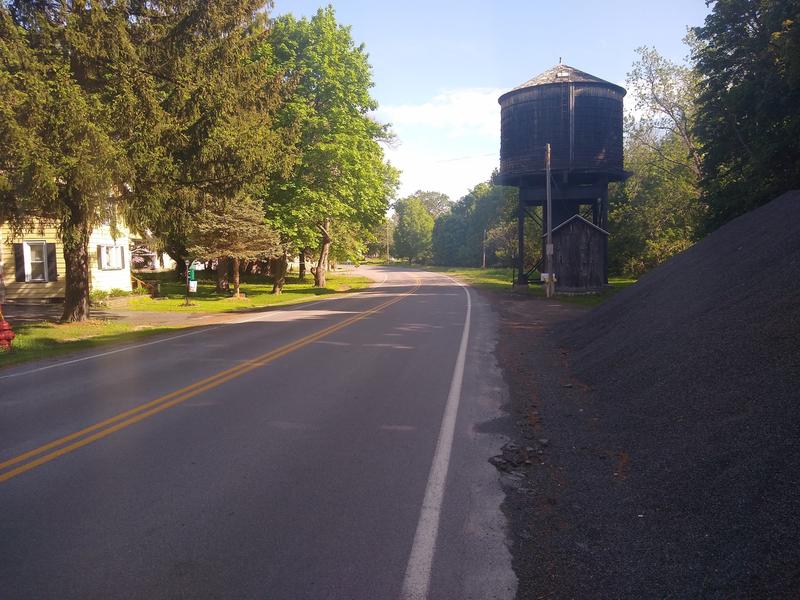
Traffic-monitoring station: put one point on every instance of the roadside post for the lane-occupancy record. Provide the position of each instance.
(191, 281)
(192, 273)
(549, 284)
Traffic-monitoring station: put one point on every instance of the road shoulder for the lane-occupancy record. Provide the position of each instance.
(545, 414)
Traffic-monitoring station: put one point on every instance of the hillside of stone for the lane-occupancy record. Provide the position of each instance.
(694, 378)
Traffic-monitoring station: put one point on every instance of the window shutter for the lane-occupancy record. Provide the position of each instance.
(52, 267)
(19, 262)
(122, 257)
(99, 257)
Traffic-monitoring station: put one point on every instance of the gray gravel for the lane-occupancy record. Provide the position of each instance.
(693, 378)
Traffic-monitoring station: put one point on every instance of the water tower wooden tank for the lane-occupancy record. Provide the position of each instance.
(580, 116)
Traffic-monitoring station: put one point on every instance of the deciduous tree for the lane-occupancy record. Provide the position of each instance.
(458, 236)
(412, 236)
(340, 185)
(436, 203)
(748, 122)
(657, 212)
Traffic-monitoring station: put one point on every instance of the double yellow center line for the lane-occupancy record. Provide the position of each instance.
(64, 445)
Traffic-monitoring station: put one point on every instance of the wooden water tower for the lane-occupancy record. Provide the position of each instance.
(580, 116)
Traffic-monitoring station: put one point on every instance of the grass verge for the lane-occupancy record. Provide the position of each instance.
(45, 340)
(257, 291)
(500, 280)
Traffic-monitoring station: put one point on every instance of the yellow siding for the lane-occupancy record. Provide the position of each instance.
(16, 290)
(100, 280)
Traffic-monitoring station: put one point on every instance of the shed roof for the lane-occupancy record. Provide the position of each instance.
(564, 74)
(581, 219)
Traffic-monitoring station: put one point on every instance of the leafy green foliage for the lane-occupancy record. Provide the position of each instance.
(233, 229)
(382, 236)
(657, 212)
(748, 122)
(458, 236)
(135, 109)
(71, 92)
(218, 95)
(412, 236)
(436, 203)
(339, 186)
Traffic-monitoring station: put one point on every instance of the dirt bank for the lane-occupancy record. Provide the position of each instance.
(656, 449)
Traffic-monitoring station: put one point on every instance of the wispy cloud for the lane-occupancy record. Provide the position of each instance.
(464, 112)
(448, 143)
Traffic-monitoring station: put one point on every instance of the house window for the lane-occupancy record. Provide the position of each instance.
(35, 262)
(111, 258)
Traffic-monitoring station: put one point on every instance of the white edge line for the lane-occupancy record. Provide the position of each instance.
(64, 363)
(420, 562)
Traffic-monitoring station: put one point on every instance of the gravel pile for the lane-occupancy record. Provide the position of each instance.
(694, 378)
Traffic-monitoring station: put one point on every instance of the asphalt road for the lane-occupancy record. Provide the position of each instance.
(327, 450)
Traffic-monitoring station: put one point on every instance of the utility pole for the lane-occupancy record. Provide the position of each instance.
(483, 264)
(549, 285)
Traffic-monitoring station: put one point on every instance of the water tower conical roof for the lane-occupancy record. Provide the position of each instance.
(561, 73)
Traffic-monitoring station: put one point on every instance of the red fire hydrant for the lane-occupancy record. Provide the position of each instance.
(6, 334)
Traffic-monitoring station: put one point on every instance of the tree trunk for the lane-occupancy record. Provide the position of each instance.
(235, 262)
(177, 252)
(281, 265)
(223, 274)
(324, 250)
(302, 274)
(75, 239)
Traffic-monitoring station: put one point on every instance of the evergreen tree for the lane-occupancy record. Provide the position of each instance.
(219, 94)
(139, 109)
(71, 94)
(234, 230)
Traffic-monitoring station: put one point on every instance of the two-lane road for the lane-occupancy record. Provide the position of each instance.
(327, 450)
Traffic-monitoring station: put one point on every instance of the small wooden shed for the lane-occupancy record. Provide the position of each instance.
(579, 251)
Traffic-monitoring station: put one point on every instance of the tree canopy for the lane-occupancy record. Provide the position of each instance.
(412, 235)
(436, 203)
(657, 212)
(233, 229)
(458, 236)
(748, 122)
(131, 109)
(219, 93)
(340, 185)
(71, 91)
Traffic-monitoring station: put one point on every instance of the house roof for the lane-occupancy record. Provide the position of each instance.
(580, 218)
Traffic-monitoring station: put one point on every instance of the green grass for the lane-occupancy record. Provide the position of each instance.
(499, 280)
(491, 279)
(45, 340)
(257, 290)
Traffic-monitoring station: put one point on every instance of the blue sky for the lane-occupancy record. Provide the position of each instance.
(440, 66)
